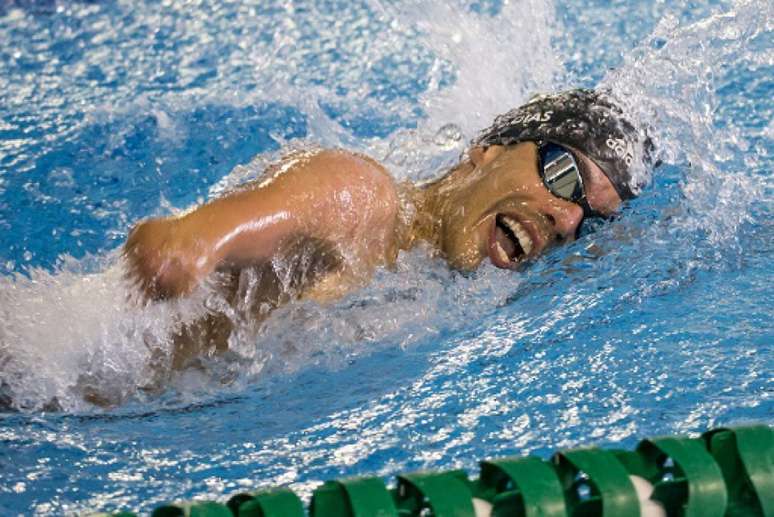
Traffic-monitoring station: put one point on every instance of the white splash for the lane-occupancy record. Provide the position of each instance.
(670, 84)
(74, 327)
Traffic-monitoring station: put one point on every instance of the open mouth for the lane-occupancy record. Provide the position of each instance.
(510, 243)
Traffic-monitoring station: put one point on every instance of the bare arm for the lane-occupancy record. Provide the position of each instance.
(344, 199)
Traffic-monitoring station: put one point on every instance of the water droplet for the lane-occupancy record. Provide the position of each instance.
(448, 136)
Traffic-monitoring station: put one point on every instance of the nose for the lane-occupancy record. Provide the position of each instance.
(565, 217)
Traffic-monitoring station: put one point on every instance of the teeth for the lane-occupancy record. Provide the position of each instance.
(502, 255)
(525, 241)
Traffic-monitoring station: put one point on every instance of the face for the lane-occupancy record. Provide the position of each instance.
(495, 206)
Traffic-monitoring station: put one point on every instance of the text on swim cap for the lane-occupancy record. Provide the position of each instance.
(533, 117)
(622, 149)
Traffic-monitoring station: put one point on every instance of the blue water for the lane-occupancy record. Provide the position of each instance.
(657, 323)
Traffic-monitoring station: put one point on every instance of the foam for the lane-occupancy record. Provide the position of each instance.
(74, 324)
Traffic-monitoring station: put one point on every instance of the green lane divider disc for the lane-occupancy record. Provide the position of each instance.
(522, 487)
(168, 511)
(746, 458)
(611, 492)
(359, 497)
(756, 446)
(272, 503)
(236, 501)
(446, 494)
(638, 465)
(691, 483)
(203, 509)
(726, 473)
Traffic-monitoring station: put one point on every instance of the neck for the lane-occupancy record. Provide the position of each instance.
(422, 208)
(418, 220)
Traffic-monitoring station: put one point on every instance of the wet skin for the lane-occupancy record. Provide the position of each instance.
(335, 217)
(501, 184)
(344, 200)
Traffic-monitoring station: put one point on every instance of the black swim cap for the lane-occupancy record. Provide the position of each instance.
(584, 119)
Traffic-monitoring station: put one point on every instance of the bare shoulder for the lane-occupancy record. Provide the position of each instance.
(348, 175)
(347, 162)
(335, 174)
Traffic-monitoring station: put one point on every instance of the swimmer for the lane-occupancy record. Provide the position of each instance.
(319, 223)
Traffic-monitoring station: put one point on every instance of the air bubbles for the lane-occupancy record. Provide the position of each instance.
(448, 137)
(453, 72)
(673, 87)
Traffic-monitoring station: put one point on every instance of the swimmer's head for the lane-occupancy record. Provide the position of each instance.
(531, 179)
(584, 120)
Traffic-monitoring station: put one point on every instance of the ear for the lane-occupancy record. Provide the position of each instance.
(480, 156)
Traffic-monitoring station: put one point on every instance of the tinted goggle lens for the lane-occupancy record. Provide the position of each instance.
(560, 172)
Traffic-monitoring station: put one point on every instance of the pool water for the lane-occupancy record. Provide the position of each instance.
(656, 323)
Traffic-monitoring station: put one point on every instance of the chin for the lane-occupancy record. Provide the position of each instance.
(462, 251)
(466, 262)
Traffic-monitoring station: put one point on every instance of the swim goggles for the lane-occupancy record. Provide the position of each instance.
(562, 176)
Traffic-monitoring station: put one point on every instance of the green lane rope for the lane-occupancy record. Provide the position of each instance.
(727, 472)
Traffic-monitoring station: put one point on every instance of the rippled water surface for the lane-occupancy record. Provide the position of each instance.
(656, 323)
